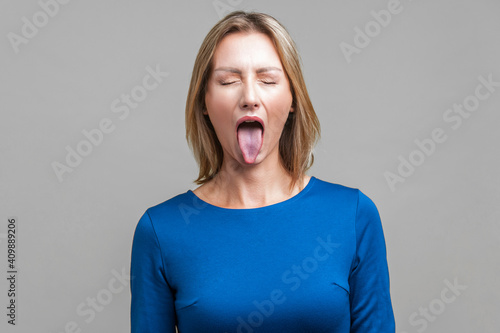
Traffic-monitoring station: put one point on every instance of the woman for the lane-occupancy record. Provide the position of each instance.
(260, 246)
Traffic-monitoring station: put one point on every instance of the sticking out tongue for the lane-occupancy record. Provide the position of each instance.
(250, 140)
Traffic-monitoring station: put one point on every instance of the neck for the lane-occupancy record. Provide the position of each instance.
(252, 186)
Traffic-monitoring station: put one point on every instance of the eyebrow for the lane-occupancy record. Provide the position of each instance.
(237, 71)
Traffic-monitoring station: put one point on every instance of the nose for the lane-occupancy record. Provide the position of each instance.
(249, 97)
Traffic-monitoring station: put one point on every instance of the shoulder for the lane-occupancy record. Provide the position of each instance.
(335, 191)
(172, 211)
(351, 197)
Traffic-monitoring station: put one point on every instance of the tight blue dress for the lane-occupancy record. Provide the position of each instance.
(315, 262)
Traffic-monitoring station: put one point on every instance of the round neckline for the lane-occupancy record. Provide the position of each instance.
(297, 196)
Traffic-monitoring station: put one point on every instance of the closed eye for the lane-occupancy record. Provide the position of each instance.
(227, 83)
(268, 82)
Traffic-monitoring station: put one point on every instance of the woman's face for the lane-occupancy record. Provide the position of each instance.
(248, 79)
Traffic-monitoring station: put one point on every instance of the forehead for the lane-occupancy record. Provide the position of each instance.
(246, 50)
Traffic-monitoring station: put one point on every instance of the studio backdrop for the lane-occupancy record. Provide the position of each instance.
(92, 99)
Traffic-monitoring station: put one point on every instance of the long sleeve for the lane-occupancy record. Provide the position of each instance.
(315, 262)
(152, 304)
(371, 308)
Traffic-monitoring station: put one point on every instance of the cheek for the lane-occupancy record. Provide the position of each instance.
(280, 105)
(219, 101)
(219, 111)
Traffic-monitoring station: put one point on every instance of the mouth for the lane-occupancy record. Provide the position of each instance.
(251, 121)
(250, 136)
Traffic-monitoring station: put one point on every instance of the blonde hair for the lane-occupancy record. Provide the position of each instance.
(302, 129)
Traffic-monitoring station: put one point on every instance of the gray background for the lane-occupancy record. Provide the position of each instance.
(75, 234)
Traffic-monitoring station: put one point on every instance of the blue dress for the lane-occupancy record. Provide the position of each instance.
(315, 262)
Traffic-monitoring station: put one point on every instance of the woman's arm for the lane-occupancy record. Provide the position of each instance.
(152, 305)
(371, 307)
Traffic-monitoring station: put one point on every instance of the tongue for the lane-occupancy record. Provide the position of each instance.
(250, 140)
